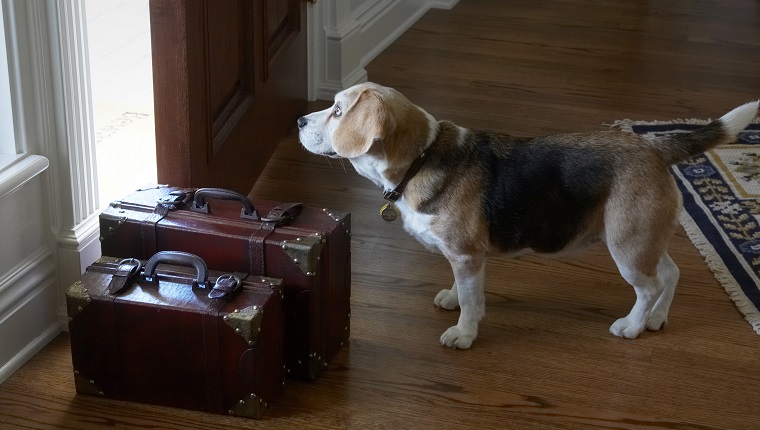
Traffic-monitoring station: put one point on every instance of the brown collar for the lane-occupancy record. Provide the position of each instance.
(396, 193)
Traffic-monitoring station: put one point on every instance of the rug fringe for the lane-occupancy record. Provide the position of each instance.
(721, 272)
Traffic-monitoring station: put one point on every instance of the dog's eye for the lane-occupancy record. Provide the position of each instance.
(337, 111)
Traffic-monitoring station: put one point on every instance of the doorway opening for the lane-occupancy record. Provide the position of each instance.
(121, 78)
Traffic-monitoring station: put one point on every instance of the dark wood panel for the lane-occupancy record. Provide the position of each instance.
(223, 99)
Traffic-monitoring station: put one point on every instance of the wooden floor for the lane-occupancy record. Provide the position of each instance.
(544, 358)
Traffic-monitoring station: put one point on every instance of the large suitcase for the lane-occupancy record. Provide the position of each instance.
(177, 336)
(308, 248)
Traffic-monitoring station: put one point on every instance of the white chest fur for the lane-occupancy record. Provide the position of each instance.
(418, 225)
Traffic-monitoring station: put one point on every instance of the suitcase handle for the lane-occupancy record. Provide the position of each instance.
(177, 258)
(200, 204)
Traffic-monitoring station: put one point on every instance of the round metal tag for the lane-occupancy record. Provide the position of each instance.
(388, 212)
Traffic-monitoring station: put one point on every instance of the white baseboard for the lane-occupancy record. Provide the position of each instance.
(443, 4)
(29, 299)
(32, 348)
(336, 33)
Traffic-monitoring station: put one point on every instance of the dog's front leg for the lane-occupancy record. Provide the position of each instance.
(469, 280)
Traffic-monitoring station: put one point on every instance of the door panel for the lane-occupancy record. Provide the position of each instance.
(229, 83)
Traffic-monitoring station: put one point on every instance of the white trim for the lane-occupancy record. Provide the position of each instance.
(381, 26)
(76, 131)
(32, 348)
(28, 278)
(7, 133)
(342, 42)
(17, 170)
(443, 4)
(25, 291)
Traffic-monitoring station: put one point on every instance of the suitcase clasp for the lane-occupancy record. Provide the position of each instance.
(225, 285)
(176, 199)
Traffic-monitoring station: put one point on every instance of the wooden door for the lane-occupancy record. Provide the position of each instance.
(229, 82)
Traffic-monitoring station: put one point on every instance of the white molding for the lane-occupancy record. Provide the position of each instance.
(27, 278)
(443, 4)
(53, 108)
(342, 42)
(25, 291)
(384, 25)
(76, 132)
(19, 171)
(32, 348)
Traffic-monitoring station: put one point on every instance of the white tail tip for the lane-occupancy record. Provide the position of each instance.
(739, 118)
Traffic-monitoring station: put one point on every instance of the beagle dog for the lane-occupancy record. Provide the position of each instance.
(470, 193)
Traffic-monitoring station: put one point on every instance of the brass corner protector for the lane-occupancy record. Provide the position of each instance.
(85, 385)
(246, 322)
(305, 252)
(77, 298)
(110, 222)
(251, 407)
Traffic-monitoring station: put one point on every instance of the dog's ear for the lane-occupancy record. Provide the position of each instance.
(364, 123)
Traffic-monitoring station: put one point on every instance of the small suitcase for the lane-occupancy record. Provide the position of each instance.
(177, 336)
(308, 248)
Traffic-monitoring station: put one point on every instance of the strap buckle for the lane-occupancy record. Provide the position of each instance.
(176, 199)
(224, 286)
(283, 213)
(392, 195)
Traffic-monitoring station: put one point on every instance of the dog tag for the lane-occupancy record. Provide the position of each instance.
(388, 212)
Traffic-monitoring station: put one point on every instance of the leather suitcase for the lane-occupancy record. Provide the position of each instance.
(308, 248)
(177, 336)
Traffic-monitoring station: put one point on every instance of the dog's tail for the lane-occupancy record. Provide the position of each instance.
(679, 147)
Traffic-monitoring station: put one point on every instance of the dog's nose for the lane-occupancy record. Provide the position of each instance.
(302, 122)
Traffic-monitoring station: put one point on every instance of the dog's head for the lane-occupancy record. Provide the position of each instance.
(368, 120)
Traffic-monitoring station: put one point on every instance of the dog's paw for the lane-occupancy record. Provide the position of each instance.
(457, 338)
(446, 299)
(626, 328)
(657, 321)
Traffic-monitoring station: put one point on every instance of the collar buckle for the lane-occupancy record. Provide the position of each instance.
(392, 195)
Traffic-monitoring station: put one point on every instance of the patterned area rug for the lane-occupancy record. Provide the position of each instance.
(721, 195)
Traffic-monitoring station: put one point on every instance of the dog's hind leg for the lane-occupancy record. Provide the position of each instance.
(668, 273)
(469, 275)
(648, 290)
(654, 293)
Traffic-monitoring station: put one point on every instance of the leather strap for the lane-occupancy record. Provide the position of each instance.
(396, 193)
(124, 274)
(149, 226)
(213, 350)
(257, 242)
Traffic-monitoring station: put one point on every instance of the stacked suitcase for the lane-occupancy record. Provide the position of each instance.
(150, 319)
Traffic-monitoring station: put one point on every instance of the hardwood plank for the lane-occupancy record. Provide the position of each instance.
(544, 357)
